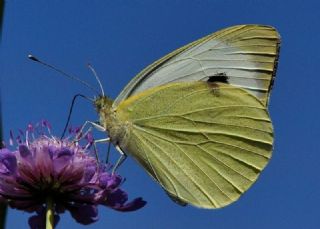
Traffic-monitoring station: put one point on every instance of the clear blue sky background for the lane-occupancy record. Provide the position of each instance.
(121, 38)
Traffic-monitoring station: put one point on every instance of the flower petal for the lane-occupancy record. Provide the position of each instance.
(89, 172)
(117, 199)
(109, 181)
(64, 152)
(43, 163)
(85, 214)
(64, 157)
(24, 151)
(38, 221)
(8, 162)
(132, 206)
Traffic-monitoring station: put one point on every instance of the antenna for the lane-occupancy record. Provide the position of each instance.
(97, 78)
(70, 112)
(33, 58)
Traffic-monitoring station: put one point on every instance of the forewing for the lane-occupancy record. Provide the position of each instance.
(204, 143)
(246, 54)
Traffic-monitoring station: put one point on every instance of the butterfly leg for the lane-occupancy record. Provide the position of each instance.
(122, 158)
(103, 140)
(97, 126)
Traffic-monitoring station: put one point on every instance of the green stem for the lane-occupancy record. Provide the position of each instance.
(49, 213)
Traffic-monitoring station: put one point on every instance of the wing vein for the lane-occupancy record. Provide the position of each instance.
(195, 164)
(164, 169)
(187, 175)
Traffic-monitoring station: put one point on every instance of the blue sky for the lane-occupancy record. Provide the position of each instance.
(119, 38)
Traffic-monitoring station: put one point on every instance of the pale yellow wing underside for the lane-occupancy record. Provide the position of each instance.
(204, 143)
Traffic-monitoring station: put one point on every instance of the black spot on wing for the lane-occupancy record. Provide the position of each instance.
(218, 77)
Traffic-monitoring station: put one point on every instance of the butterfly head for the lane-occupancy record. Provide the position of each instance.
(102, 103)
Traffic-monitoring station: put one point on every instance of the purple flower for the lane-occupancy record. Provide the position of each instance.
(46, 167)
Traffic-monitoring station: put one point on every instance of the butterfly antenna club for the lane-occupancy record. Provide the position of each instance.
(33, 58)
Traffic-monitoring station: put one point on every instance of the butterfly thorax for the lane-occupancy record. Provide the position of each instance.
(109, 120)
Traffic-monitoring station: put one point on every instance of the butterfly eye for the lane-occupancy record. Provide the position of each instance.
(98, 104)
(102, 102)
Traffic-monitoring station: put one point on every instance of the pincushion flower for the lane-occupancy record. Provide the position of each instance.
(45, 172)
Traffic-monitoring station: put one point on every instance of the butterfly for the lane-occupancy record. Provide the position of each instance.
(197, 119)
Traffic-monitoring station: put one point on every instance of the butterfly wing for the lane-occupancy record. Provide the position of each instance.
(205, 143)
(246, 54)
